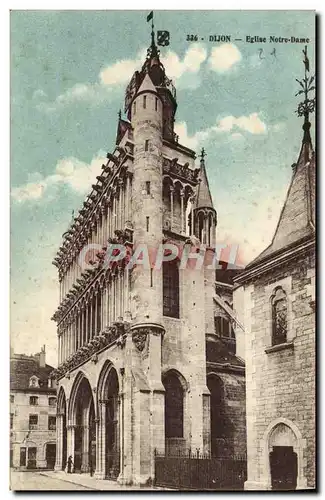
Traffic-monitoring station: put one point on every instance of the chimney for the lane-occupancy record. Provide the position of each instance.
(42, 357)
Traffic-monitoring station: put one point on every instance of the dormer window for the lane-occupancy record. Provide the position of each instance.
(33, 381)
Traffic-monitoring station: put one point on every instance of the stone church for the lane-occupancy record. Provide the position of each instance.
(148, 359)
(275, 301)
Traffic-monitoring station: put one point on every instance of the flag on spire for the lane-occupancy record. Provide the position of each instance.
(150, 16)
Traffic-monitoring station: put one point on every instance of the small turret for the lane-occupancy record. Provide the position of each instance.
(205, 216)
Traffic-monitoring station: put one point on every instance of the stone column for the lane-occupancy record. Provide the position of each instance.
(59, 442)
(182, 194)
(171, 208)
(85, 449)
(71, 440)
(95, 298)
(127, 196)
(80, 327)
(148, 432)
(82, 320)
(192, 216)
(126, 393)
(100, 442)
(59, 348)
(86, 323)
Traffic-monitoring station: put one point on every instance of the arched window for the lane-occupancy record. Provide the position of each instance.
(201, 226)
(171, 289)
(223, 327)
(279, 316)
(174, 406)
(210, 234)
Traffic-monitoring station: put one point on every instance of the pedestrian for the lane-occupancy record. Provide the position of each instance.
(91, 469)
(69, 465)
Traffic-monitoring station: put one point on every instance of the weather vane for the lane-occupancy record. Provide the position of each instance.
(308, 104)
(203, 154)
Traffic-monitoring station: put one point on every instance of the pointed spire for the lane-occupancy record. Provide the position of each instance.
(153, 52)
(204, 198)
(297, 219)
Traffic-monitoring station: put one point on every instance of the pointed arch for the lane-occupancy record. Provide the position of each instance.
(279, 304)
(61, 400)
(104, 376)
(108, 408)
(175, 388)
(79, 380)
(298, 445)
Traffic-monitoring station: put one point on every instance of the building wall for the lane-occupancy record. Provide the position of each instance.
(281, 383)
(21, 435)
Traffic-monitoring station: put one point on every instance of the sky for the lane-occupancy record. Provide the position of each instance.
(69, 71)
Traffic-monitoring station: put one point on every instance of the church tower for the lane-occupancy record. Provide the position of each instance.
(132, 371)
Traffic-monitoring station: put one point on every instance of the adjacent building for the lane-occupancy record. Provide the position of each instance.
(32, 412)
(275, 303)
(148, 362)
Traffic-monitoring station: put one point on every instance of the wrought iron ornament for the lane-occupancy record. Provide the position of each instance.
(307, 106)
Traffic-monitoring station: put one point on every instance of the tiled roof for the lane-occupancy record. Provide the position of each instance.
(217, 351)
(23, 367)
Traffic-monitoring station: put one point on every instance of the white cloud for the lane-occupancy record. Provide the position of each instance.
(224, 57)
(193, 141)
(251, 123)
(119, 73)
(191, 63)
(229, 124)
(70, 171)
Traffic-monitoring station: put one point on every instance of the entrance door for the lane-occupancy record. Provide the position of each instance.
(283, 463)
(31, 462)
(50, 455)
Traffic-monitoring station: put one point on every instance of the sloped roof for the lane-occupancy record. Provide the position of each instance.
(204, 198)
(23, 367)
(122, 127)
(297, 218)
(218, 352)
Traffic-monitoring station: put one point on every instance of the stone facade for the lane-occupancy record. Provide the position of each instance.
(133, 372)
(32, 393)
(280, 371)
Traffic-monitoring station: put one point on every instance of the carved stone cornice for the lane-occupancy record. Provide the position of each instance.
(174, 169)
(110, 335)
